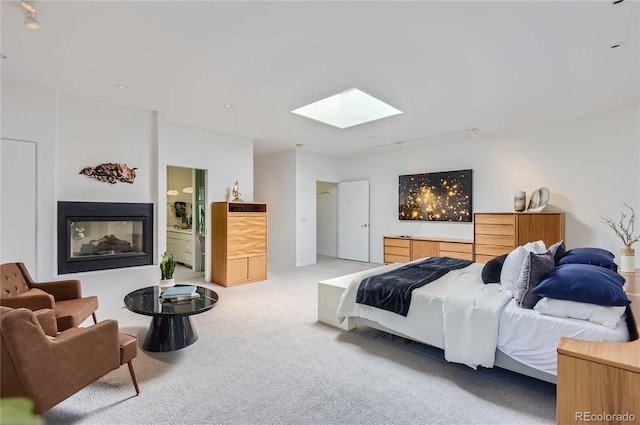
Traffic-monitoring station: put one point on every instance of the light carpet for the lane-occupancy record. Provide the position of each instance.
(262, 358)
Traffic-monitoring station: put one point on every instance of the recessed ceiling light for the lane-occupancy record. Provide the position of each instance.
(121, 86)
(347, 109)
(187, 189)
(299, 145)
(172, 192)
(228, 106)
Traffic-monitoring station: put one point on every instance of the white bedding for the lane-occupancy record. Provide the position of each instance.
(520, 326)
(468, 319)
(440, 314)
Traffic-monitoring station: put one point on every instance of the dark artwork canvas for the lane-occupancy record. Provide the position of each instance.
(442, 196)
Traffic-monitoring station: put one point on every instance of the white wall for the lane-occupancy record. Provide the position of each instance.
(90, 133)
(275, 183)
(590, 165)
(29, 113)
(310, 168)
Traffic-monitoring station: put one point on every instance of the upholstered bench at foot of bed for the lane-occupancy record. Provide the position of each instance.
(329, 293)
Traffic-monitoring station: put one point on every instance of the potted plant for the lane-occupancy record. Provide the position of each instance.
(624, 230)
(167, 267)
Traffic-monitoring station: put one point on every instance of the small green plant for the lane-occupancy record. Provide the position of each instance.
(624, 230)
(167, 265)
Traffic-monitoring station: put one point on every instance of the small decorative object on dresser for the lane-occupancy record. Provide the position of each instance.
(167, 266)
(625, 232)
(520, 200)
(539, 199)
(236, 192)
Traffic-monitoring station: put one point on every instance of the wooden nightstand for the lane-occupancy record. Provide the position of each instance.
(600, 378)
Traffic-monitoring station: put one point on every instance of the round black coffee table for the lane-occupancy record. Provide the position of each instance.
(171, 328)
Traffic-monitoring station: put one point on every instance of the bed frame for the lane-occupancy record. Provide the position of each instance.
(329, 292)
(502, 360)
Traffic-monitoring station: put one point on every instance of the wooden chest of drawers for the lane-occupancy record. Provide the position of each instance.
(404, 249)
(499, 233)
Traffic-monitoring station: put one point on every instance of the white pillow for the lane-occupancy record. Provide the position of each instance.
(512, 266)
(603, 315)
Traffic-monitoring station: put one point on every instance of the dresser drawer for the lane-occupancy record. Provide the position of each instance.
(397, 250)
(456, 247)
(405, 243)
(495, 229)
(492, 250)
(395, 258)
(503, 240)
(494, 219)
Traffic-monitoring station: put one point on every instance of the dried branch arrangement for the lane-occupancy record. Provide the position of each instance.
(624, 230)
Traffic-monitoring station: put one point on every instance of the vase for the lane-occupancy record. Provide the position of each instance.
(166, 283)
(519, 201)
(627, 259)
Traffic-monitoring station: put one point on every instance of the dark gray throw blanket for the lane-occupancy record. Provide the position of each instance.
(392, 290)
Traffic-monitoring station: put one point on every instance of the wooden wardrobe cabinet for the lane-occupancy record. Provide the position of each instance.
(238, 242)
(495, 234)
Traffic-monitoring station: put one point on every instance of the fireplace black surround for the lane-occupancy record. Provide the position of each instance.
(104, 235)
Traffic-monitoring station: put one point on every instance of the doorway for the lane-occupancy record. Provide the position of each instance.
(187, 217)
(342, 215)
(327, 219)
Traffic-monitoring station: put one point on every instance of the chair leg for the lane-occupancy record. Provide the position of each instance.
(133, 377)
(95, 321)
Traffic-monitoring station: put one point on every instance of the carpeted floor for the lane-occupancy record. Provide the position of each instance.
(262, 358)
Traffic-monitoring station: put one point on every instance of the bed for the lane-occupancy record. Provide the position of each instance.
(476, 323)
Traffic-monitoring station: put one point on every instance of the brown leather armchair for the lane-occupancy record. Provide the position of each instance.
(64, 297)
(47, 367)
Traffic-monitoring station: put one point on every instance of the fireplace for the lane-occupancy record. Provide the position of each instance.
(104, 235)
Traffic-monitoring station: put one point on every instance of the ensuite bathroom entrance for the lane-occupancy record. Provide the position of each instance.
(186, 216)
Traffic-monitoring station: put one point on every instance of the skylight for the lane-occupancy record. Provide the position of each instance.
(347, 109)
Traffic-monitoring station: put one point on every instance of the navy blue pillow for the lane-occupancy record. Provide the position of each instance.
(594, 256)
(583, 283)
(491, 270)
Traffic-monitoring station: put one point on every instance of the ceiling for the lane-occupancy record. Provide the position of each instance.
(449, 66)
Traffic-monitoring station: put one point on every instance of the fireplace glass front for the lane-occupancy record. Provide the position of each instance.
(105, 238)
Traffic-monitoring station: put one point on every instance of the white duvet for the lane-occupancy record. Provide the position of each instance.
(457, 313)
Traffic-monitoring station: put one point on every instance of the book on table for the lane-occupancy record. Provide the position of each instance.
(188, 291)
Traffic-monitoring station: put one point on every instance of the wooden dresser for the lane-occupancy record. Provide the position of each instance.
(238, 242)
(496, 234)
(404, 249)
(597, 378)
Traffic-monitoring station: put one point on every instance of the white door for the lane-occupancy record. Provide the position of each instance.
(353, 220)
(18, 206)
